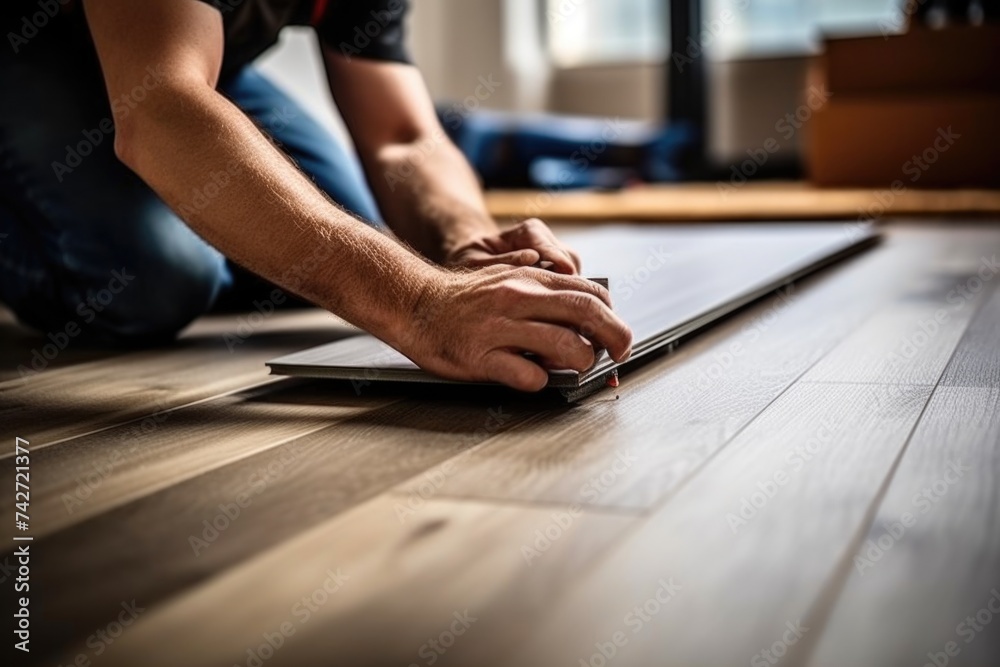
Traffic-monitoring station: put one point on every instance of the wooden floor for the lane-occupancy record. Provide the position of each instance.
(814, 481)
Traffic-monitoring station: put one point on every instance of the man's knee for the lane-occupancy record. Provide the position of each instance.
(150, 297)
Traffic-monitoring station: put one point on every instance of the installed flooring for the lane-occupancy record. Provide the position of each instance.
(812, 481)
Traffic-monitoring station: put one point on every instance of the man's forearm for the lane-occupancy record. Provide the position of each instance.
(429, 195)
(268, 216)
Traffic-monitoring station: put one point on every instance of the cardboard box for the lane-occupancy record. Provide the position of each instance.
(956, 59)
(919, 141)
(916, 110)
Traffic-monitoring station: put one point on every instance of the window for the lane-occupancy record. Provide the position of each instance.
(601, 31)
(738, 28)
(589, 31)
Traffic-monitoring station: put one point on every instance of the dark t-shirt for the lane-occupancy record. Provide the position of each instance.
(356, 28)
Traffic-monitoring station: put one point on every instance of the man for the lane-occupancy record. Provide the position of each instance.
(125, 125)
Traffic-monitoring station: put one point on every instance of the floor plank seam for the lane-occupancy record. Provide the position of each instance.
(628, 531)
(616, 510)
(248, 388)
(870, 383)
(157, 488)
(821, 611)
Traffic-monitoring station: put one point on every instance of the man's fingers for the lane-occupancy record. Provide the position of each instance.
(481, 258)
(514, 371)
(575, 256)
(557, 347)
(575, 283)
(535, 234)
(585, 313)
(562, 261)
(527, 257)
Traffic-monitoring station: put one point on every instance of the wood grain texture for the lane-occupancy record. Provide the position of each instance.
(186, 529)
(91, 474)
(433, 503)
(976, 362)
(404, 585)
(674, 413)
(764, 201)
(912, 339)
(912, 585)
(742, 576)
(76, 398)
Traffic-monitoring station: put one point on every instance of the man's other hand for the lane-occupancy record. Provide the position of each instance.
(527, 244)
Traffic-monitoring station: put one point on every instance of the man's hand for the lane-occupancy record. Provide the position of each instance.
(477, 326)
(526, 244)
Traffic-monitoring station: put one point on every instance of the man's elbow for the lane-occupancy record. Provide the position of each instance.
(154, 121)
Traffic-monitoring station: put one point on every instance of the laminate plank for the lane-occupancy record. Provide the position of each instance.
(401, 586)
(667, 282)
(63, 402)
(912, 339)
(91, 474)
(931, 557)
(751, 540)
(976, 362)
(196, 526)
(674, 413)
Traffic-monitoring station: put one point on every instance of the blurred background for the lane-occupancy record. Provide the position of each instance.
(838, 92)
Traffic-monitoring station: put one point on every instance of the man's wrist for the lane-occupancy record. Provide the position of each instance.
(468, 231)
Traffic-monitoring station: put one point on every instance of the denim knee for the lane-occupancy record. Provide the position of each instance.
(149, 298)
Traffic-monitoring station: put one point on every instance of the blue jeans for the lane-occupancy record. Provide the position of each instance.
(85, 242)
